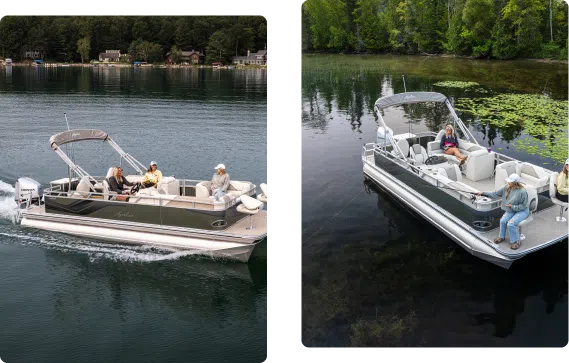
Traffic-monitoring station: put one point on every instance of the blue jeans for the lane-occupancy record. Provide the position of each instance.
(218, 193)
(511, 220)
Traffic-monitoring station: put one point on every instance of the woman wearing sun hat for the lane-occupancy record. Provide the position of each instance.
(219, 182)
(515, 203)
(152, 176)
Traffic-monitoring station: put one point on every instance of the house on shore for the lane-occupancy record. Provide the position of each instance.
(110, 56)
(189, 57)
(33, 54)
(259, 58)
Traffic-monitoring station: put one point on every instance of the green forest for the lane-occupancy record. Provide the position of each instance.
(144, 38)
(499, 29)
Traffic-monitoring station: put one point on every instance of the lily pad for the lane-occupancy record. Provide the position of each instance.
(456, 84)
(542, 118)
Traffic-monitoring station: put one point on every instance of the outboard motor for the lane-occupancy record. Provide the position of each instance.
(384, 136)
(28, 189)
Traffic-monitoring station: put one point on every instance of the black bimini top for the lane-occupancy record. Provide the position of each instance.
(409, 97)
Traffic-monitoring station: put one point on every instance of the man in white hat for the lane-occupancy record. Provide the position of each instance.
(516, 205)
(219, 182)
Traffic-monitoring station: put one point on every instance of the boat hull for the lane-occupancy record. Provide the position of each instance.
(218, 244)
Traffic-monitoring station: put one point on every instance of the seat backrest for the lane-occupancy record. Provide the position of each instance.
(111, 172)
(251, 203)
(263, 187)
(169, 185)
(203, 189)
(418, 153)
(532, 197)
(83, 189)
(452, 172)
(440, 135)
(552, 186)
(480, 165)
(503, 171)
(404, 146)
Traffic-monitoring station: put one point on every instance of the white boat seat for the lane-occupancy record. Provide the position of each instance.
(451, 171)
(480, 164)
(169, 185)
(249, 206)
(404, 146)
(532, 198)
(418, 153)
(534, 175)
(263, 196)
(238, 188)
(552, 191)
(83, 189)
(434, 147)
(503, 171)
(203, 189)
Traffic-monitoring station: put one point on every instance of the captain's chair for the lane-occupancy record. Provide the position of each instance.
(532, 198)
(418, 153)
(552, 191)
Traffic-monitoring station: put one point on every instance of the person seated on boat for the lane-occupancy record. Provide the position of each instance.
(515, 204)
(152, 176)
(449, 143)
(117, 183)
(219, 182)
(561, 183)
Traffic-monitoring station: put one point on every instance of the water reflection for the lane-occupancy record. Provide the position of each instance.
(410, 287)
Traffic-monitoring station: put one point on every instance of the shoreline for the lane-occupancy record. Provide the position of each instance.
(127, 65)
(443, 55)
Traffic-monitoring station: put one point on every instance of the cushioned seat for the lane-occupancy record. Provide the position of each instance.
(532, 199)
(169, 185)
(480, 164)
(451, 171)
(249, 206)
(83, 189)
(418, 154)
(529, 174)
(552, 192)
(263, 196)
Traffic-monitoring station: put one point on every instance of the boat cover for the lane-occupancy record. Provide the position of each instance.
(409, 97)
(76, 135)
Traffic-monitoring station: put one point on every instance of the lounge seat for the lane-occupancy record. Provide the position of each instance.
(465, 147)
(529, 174)
(480, 164)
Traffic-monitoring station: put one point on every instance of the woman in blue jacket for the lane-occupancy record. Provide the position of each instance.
(449, 143)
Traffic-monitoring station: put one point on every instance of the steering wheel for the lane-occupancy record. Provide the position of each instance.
(432, 160)
(135, 188)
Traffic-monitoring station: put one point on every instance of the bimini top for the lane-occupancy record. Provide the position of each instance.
(409, 97)
(76, 135)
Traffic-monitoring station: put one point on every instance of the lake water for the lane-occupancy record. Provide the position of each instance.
(69, 299)
(375, 275)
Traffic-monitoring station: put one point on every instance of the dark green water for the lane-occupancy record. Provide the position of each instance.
(373, 274)
(67, 299)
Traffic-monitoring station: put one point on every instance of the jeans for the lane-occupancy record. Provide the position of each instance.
(511, 220)
(218, 193)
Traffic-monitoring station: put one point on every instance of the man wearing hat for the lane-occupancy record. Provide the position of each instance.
(219, 182)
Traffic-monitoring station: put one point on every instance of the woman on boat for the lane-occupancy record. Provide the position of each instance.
(515, 203)
(449, 143)
(561, 183)
(219, 182)
(117, 183)
(152, 176)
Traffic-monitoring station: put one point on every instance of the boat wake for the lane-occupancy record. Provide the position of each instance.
(96, 250)
(7, 203)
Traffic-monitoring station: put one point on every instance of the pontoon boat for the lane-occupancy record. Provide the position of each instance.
(413, 168)
(178, 214)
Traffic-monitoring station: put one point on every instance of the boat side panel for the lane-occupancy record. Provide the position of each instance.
(438, 196)
(178, 217)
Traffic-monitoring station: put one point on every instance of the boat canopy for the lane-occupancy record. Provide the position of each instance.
(409, 97)
(76, 135)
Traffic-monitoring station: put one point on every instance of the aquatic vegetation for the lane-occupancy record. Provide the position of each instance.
(457, 84)
(382, 331)
(543, 119)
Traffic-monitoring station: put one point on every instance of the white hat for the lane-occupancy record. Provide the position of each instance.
(220, 166)
(513, 178)
(567, 162)
(153, 163)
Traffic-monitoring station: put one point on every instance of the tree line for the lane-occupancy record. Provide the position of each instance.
(501, 29)
(144, 38)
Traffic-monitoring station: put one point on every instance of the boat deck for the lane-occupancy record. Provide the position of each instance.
(541, 232)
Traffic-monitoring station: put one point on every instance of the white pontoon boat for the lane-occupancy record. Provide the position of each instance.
(413, 168)
(179, 214)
